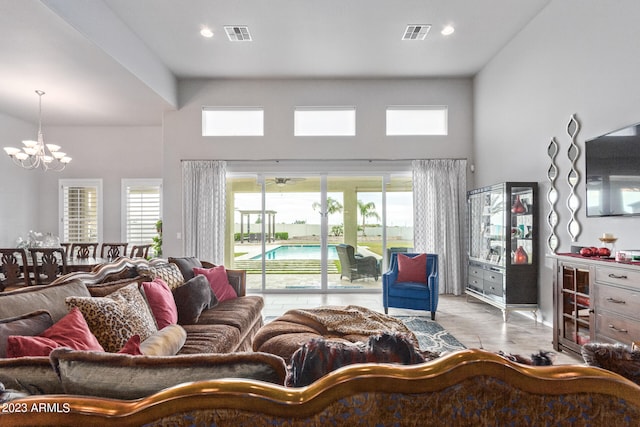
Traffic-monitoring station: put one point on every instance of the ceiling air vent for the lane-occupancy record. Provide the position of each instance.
(416, 32)
(238, 33)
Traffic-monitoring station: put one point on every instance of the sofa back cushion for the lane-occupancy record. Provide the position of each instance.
(168, 272)
(220, 286)
(186, 265)
(122, 376)
(161, 302)
(30, 324)
(192, 299)
(50, 298)
(71, 331)
(117, 317)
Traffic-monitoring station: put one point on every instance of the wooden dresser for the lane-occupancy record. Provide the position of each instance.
(595, 300)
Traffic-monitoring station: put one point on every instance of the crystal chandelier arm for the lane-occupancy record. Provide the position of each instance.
(36, 154)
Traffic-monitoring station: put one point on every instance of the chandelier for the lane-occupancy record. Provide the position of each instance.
(36, 154)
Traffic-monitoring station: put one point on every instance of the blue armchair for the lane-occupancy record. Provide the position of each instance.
(417, 296)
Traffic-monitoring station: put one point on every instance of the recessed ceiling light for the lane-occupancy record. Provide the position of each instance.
(416, 32)
(448, 30)
(206, 32)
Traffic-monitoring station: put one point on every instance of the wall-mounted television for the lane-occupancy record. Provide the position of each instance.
(612, 163)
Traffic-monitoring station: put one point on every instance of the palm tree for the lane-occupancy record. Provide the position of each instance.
(333, 206)
(367, 210)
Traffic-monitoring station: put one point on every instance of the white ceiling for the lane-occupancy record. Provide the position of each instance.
(117, 62)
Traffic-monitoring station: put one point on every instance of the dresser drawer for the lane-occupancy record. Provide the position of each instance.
(618, 276)
(617, 328)
(493, 276)
(618, 300)
(476, 271)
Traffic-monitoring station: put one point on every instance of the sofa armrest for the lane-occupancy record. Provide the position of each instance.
(238, 279)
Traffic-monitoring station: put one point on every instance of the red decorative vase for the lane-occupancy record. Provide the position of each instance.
(520, 256)
(518, 207)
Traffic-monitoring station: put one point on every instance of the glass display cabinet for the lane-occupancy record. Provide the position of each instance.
(503, 246)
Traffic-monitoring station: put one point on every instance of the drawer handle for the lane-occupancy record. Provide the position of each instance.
(618, 330)
(615, 276)
(616, 301)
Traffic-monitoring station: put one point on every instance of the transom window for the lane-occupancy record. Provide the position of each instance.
(325, 121)
(232, 121)
(417, 120)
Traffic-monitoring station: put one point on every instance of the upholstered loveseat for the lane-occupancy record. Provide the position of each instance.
(465, 388)
(210, 339)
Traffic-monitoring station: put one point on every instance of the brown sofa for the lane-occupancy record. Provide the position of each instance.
(221, 337)
(465, 388)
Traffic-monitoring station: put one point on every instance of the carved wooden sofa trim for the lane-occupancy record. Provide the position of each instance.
(469, 387)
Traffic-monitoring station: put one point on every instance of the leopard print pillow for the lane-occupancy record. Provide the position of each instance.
(168, 272)
(117, 317)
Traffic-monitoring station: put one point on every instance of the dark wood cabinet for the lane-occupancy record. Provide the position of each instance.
(503, 246)
(595, 300)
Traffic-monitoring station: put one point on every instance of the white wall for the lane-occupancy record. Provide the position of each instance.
(183, 129)
(576, 56)
(18, 187)
(109, 153)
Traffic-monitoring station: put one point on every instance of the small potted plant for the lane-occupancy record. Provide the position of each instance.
(157, 240)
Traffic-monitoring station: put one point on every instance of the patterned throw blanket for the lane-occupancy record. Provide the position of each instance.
(354, 320)
(318, 357)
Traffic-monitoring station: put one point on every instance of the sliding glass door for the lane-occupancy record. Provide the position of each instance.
(286, 229)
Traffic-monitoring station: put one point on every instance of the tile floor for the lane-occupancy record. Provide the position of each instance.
(475, 324)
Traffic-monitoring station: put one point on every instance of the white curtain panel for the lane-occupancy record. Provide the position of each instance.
(203, 212)
(439, 203)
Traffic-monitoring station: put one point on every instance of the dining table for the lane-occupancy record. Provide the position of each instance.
(85, 264)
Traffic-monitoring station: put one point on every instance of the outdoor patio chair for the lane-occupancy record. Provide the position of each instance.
(355, 267)
(419, 293)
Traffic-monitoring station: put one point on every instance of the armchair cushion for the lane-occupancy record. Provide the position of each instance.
(412, 269)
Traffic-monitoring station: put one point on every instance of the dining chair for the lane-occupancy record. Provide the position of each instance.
(83, 250)
(48, 264)
(113, 250)
(67, 248)
(140, 251)
(14, 268)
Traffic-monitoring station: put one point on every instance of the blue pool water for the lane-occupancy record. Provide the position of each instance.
(298, 252)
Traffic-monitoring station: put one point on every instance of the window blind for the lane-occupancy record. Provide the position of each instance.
(143, 210)
(80, 214)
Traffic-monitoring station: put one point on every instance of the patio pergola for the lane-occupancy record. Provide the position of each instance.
(270, 220)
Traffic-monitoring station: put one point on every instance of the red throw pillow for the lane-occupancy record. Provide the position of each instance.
(132, 346)
(71, 331)
(160, 299)
(412, 269)
(217, 277)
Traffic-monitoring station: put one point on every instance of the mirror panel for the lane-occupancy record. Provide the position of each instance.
(552, 196)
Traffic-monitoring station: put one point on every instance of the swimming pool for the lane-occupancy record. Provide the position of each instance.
(298, 252)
